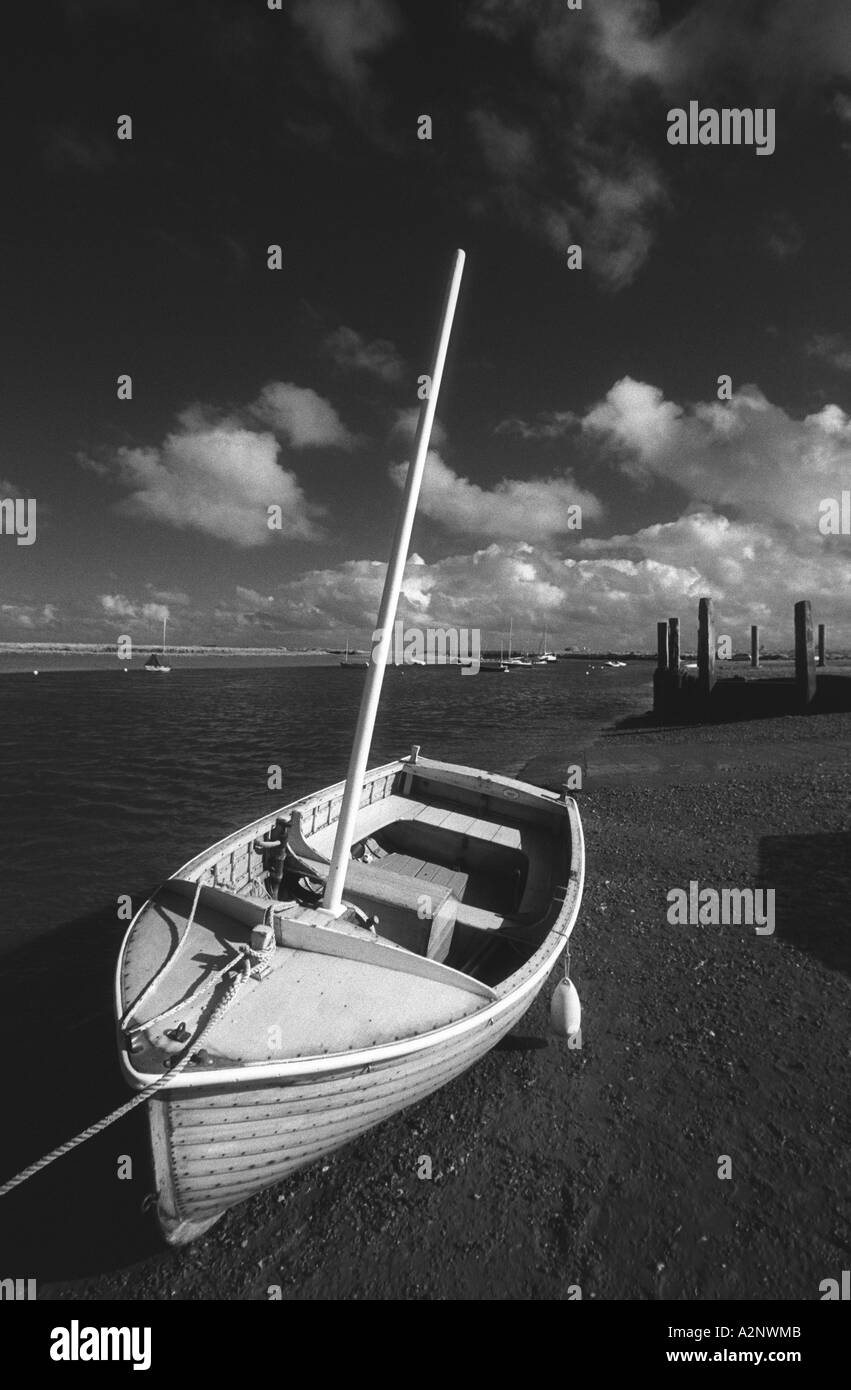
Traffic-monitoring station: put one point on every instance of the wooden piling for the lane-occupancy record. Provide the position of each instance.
(674, 648)
(660, 675)
(754, 645)
(821, 634)
(805, 666)
(706, 647)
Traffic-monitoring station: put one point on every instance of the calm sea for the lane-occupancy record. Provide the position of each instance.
(111, 780)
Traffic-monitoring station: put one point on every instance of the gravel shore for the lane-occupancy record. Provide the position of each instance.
(595, 1167)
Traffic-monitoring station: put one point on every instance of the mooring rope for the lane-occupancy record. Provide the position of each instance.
(252, 961)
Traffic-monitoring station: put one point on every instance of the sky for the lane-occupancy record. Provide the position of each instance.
(296, 388)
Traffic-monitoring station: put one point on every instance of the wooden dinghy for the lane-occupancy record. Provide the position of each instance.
(461, 891)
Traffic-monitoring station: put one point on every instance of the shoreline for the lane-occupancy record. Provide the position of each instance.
(174, 649)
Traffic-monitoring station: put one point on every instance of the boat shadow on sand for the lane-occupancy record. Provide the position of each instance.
(77, 1216)
(811, 876)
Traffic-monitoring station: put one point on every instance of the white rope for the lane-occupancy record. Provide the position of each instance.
(251, 961)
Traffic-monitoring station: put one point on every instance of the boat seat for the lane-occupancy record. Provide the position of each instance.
(479, 918)
(384, 886)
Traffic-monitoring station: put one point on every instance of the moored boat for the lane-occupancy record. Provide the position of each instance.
(358, 665)
(154, 663)
(461, 892)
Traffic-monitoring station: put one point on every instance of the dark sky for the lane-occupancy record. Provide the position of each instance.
(253, 387)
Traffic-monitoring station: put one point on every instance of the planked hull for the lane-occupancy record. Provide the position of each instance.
(215, 1150)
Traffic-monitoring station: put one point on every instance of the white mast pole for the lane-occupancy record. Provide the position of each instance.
(333, 897)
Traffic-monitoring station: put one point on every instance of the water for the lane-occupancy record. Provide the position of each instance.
(110, 781)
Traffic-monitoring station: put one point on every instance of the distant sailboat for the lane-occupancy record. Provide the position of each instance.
(353, 665)
(493, 667)
(515, 660)
(545, 656)
(153, 662)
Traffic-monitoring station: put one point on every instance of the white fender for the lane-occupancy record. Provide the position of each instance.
(565, 1010)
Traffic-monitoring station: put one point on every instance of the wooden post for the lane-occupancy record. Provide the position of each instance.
(754, 645)
(821, 644)
(805, 666)
(674, 649)
(706, 647)
(660, 675)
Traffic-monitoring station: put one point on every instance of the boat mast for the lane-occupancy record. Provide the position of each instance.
(333, 896)
(165, 620)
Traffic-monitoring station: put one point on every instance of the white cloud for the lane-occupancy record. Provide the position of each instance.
(174, 596)
(833, 348)
(754, 572)
(346, 34)
(352, 352)
(220, 481)
(303, 417)
(573, 190)
(133, 610)
(29, 615)
(842, 107)
(603, 592)
(637, 417)
(253, 597)
(551, 424)
(219, 473)
(531, 509)
(482, 589)
(617, 225)
(509, 150)
(784, 239)
(745, 454)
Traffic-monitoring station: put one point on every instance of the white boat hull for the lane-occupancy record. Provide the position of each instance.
(216, 1150)
(221, 1135)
